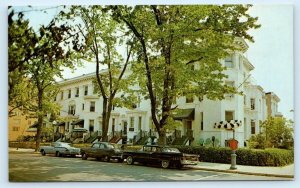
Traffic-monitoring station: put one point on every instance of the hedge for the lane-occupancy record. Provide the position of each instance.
(251, 157)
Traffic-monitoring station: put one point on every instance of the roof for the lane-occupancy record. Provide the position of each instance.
(184, 114)
(61, 123)
(78, 122)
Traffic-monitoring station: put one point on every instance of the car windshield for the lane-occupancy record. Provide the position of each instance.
(113, 146)
(170, 150)
(65, 145)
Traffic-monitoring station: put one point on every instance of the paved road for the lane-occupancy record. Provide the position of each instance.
(32, 167)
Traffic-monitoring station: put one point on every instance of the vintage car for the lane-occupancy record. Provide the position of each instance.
(163, 155)
(102, 150)
(60, 149)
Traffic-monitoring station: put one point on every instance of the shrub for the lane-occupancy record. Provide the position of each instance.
(252, 157)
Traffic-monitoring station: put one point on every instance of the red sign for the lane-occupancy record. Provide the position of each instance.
(233, 144)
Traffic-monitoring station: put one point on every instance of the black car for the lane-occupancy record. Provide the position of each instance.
(163, 155)
(102, 150)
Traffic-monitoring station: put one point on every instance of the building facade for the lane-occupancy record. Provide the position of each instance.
(82, 109)
(19, 125)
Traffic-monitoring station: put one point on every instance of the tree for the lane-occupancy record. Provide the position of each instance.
(40, 63)
(180, 48)
(278, 132)
(103, 37)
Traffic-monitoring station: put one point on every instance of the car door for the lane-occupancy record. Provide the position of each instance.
(102, 150)
(144, 156)
(153, 156)
(95, 149)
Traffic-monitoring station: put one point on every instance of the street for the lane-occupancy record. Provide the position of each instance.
(32, 167)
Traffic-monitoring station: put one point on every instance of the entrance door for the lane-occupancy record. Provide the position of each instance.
(125, 127)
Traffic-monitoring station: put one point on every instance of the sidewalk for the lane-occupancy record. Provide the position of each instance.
(285, 172)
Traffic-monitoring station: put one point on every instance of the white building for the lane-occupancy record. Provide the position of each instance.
(82, 109)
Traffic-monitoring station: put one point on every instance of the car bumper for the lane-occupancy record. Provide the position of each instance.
(116, 157)
(187, 162)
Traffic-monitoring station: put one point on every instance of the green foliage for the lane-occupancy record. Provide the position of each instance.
(174, 39)
(258, 141)
(252, 157)
(35, 60)
(276, 132)
(104, 41)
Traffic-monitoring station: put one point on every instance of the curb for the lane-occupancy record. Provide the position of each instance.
(241, 172)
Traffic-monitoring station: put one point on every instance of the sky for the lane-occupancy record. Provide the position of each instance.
(271, 53)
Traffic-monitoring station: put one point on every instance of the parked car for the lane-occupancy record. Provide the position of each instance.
(163, 155)
(60, 149)
(102, 150)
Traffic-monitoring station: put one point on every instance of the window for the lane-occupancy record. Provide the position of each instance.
(91, 125)
(92, 106)
(229, 62)
(131, 122)
(77, 92)
(16, 128)
(96, 145)
(113, 124)
(252, 126)
(252, 103)
(201, 113)
(102, 146)
(189, 99)
(140, 122)
(62, 95)
(29, 122)
(71, 109)
(229, 115)
(86, 90)
(82, 106)
(69, 93)
(54, 98)
(189, 125)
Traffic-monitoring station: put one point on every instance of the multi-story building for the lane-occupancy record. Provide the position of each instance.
(18, 125)
(82, 109)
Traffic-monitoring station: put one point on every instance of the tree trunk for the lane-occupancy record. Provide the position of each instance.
(107, 108)
(162, 140)
(40, 120)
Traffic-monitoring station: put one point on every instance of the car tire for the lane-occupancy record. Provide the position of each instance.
(84, 156)
(129, 160)
(43, 153)
(165, 164)
(57, 154)
(106, 158)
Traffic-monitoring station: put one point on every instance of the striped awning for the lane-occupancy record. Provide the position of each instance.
(232, 124)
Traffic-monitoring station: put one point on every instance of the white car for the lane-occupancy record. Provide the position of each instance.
(60, 149)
